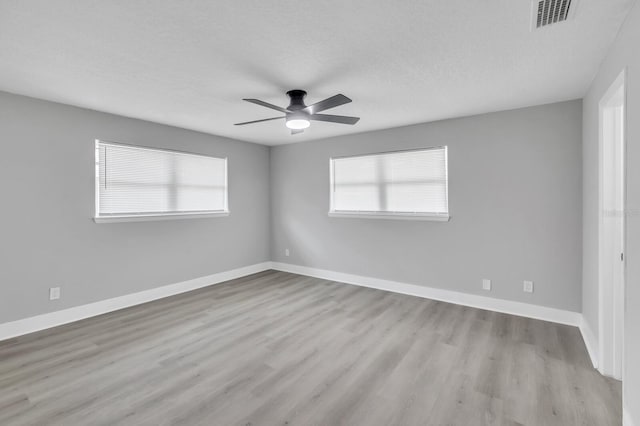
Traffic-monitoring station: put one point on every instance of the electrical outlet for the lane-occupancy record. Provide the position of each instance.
(286, 252)
(54, 293)
(528, 287)
(486, 285)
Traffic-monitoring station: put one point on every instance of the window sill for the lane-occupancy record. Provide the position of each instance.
(154, 217)
(393, 216)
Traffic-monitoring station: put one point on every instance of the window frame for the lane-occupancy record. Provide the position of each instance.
(426, 216)
(153, 216)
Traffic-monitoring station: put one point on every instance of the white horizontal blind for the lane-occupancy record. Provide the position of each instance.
(403, 182)
(142, 181)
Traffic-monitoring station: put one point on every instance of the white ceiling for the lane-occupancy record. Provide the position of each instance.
(189, 63)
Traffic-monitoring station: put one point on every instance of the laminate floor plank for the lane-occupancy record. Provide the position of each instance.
(275, 348)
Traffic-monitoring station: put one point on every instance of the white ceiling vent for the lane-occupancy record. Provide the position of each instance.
(548, 12)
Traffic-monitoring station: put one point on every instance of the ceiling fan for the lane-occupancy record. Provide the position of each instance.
(298, 116)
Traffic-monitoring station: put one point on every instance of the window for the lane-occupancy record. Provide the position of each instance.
(406, 184)
(133, 183)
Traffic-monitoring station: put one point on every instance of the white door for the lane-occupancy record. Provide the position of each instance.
(612, 223)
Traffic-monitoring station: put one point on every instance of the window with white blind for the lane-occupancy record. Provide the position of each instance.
(401, 184)
(136, 183)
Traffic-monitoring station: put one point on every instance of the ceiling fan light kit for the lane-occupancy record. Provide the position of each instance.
(297, 124)
(298, 116)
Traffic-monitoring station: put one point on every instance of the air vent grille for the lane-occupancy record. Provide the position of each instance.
(551, 12)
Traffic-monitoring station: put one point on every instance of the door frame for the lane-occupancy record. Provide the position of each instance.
(611, 355)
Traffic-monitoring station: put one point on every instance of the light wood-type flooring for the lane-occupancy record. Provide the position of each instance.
(281, 349)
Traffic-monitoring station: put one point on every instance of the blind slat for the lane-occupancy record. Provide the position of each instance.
(396, 182)
(136, 181)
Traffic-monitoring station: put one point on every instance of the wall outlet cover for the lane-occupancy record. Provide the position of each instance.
(286, 252)
(54, 293)
(486, 285)
(528, 287)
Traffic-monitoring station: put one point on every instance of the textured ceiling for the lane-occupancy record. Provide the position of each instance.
(189, 63)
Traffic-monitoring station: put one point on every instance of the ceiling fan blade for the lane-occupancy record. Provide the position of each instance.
(342, 119)
(258, 121)
(296, 131)
(331, 102)
(266, 104)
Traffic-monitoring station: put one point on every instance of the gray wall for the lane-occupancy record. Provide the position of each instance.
(47, 191)
(624, 53)
(515, 201)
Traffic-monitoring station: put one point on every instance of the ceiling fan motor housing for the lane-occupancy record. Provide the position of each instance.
(297, 99)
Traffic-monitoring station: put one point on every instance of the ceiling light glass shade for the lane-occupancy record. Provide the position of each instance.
(298, 123)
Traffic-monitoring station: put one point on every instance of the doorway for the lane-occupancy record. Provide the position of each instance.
(612, 229)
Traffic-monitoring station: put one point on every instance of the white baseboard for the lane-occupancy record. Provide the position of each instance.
(466, 299)
(626, 417)
(53, 319)
(65, 316)
(590, 342)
